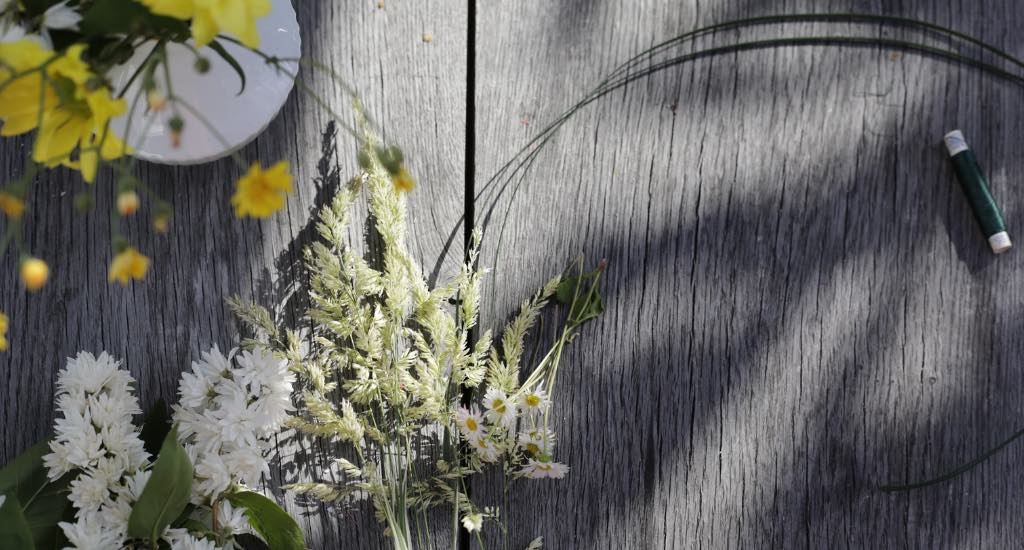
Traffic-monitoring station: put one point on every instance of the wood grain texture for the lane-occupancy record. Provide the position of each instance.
(800, 306)
(416, 91)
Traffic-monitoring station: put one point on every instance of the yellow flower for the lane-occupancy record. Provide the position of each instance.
(80, 120)
(403, 181)
(11, 206)
(20, 98)
(127, 265)
(211, 17)
(34, 273)
(261, 193)
(3, 332)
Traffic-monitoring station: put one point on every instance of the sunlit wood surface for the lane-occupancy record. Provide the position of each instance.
(800, 307)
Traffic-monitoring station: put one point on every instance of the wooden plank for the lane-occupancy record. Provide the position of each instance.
(800, 307)
(414, 87)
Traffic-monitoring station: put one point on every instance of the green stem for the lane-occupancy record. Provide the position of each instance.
(955, 472)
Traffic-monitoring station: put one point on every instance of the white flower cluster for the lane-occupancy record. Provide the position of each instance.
(493, 433)
(96, 437)
(229, 409)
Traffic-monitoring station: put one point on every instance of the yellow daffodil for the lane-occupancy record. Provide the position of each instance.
(3, 332)
(22, 97)
(261, 193)
(212, 17)
(34, 273)
(12, 206)
(127, 265)
(403, 181)
(80, 120)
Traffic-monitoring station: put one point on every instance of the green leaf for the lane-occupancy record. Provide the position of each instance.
(42, 503)
(14, 530)
(107, 17)
(166, 494)
(226, 56)
(271, 522)
(155, 427)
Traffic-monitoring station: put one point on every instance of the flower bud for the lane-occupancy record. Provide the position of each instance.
(177, 125)
(34, 273)
(162, 223)
(156, 100)
(202, 65)
(128, 203)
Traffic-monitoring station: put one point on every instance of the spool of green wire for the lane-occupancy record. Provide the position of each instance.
(975, 186)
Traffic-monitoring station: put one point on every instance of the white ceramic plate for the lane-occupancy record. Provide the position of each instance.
(237, 118)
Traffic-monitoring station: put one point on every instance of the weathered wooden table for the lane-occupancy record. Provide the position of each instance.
(800, 306)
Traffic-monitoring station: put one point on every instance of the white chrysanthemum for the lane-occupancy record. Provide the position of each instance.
(114, 515)
(180, 539)
(57, 462)
(470, 424)
(200, 428)
(473, 522)
(486, 449)
(537, 441)
(536, 469)
(135, 484)
(126, 446)
(90, 532)
(534, 401)
(213, 476)
(88, 493)
(90, 374)
(195, 391)
(247, 465)
(110, 409)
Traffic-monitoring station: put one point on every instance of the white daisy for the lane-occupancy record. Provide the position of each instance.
(536, 469)
(537, 441)
(499, 409)
(534, 401)
(473, 522)
(470, 424)
(486, 449)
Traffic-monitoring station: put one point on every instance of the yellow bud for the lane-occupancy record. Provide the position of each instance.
(403, 181)
(34, 273)
(162, 224)
(128, 203)
(11, 206)
(156, 100)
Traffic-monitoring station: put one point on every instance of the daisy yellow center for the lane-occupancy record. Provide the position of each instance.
(498, 406)
(471, 424)
(533, 400)
(532, 448)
